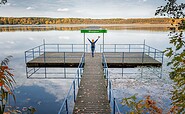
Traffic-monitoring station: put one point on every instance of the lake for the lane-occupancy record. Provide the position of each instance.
(46, 95)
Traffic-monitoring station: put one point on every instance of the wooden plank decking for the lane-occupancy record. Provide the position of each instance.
(130, 59)
(114, 60)
(56, 59)
(92, 95)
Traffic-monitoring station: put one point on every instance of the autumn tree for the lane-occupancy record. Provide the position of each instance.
(6, 84)
(177, 50)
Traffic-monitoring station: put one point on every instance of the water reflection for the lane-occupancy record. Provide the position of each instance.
(79, 27)
(44, 104)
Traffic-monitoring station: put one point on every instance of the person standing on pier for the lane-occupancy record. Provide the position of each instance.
(93, 45)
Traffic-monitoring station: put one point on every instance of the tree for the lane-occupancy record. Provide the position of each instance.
(6, 83)
(177, 51)
(6, 88)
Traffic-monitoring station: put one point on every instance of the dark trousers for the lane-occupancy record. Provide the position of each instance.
(92, 50)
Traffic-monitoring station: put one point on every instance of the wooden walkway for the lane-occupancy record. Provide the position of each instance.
(92, 95)
(114, 59)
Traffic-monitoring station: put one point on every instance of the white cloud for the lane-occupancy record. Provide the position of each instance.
(142, 1)
(31, 38)
(11, 42)
(8, 4)
(63, 37)
(83, 9)
(29, 8)
(62, 9)
(79, 11)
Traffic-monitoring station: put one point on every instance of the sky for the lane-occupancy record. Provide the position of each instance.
(82, 8)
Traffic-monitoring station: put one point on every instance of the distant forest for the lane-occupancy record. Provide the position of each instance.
(44, 20)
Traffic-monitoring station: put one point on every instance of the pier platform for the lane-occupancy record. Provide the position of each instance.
(114, 59)
(56, 59)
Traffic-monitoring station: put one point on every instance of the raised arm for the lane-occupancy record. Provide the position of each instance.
(97, 39)
(89, 40)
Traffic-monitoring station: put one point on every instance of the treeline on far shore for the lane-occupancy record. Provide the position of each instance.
(49, 28)
(45, 20)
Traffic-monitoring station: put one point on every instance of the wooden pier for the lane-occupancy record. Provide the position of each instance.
(114, 59)
(92, 95)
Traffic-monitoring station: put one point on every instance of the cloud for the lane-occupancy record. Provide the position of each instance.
(8, 4)
(11, 42)
(141, 1)
(83, 9)
(63, 37)
(31, 38)
(79, 11)
(62, 9)
(29, 8)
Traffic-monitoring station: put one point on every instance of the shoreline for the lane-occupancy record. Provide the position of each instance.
(86, 25)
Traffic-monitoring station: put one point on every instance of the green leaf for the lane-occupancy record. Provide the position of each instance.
(169, 63)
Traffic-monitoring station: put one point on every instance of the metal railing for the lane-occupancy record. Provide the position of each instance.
(122, 47)
(155, 53)
(66, 108)
(63, 56)
(142, 48)
(113, 103)
(41, 49)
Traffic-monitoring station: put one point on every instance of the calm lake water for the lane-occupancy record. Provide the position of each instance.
(46, 95)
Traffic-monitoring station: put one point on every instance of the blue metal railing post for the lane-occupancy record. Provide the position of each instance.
(129, 47)
(143, 51)
(64, 64)
(33, 53)
(44, 56)
(123, 57)
(74, 91)
(26, 66)
(114, 47)
(44, 53)
(25, 54)
(58, 48)
(39, 50)
(86, 47)
(72, 47)
(155, 54)
(109, 91)
(142, 57)
(144, 46)
(66, 107)
(122, 62)
(78, 78)
(114, 106)
(107, 73)
(161, 66)
(100, 48)
(162, 58)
